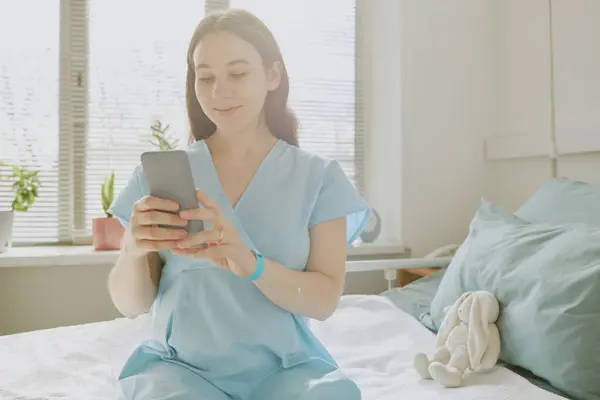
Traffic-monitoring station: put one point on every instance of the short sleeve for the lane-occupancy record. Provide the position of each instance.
(337, 198)
(122, 205)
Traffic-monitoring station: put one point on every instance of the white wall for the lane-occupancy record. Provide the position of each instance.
(523, 75)
(577, 84)
(42, 297)
(448, 105)
(34, 298)
(528, 76)
(475, 69)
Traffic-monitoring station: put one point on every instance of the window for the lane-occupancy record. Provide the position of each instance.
(118, 67)
(136, 76)
(29, 100)
(318, 42)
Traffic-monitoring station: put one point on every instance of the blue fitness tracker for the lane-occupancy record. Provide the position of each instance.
(260, 266)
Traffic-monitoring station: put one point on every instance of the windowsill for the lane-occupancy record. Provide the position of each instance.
(48, 256)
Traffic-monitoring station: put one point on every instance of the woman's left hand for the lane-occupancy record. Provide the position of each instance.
(222, 244)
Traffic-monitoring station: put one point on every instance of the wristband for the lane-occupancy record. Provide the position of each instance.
(260, 266)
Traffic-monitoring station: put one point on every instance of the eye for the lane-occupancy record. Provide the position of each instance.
(207, 79)
(239, 75)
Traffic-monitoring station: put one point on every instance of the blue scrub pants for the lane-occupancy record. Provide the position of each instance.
(312, 380)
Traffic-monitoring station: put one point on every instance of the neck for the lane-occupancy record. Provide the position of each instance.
(241, 144)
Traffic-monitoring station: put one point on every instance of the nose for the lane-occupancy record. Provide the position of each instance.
(222, 89)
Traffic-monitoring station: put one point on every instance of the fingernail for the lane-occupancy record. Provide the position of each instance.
(185, 214)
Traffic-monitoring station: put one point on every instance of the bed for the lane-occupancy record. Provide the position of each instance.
(80, 362)
(375, 337)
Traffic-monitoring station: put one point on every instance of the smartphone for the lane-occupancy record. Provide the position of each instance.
(169, 176)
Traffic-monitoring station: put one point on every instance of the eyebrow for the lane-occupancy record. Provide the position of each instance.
(230, 63)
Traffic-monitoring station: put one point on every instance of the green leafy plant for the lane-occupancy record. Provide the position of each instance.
(162, 139)
(25, 186)
(108, 193)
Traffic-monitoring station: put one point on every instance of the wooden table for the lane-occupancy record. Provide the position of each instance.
(408, 275)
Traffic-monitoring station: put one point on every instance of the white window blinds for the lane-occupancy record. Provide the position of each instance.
(83, 81)
(318, 40)
(136, 76)
(29, 100)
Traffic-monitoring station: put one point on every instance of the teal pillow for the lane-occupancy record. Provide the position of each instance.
(563, 201)
(415, 298)
(547, 281)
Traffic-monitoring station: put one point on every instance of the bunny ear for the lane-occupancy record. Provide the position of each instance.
(478, 333)
(450, 321)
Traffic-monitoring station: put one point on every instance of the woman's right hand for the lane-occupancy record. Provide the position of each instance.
(145, 234)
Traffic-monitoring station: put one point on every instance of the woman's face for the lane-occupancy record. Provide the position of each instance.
(231, 81)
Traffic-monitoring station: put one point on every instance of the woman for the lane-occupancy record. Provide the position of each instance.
(229, 319)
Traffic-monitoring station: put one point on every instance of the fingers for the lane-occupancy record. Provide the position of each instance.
(209, 211)
(207, 214)
(141, 232)
(159, 218)
(156, 245)
(205, 200)
(149, 213)
(147, 203)
(205, 236)
(214, 253)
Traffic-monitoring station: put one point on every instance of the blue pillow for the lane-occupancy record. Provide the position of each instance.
(415, 298)
(563, 201)
(547, 280)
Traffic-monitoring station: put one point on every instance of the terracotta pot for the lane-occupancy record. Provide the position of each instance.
(107, 233)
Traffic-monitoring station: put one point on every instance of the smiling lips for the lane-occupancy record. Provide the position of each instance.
(227, 111)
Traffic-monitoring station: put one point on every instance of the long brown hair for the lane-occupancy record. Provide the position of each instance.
(280, 120)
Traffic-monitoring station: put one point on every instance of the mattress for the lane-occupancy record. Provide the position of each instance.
(372, 338)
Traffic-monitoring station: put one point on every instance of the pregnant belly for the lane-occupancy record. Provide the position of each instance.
(223, 325)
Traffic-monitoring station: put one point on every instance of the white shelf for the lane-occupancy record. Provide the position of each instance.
(578, 142)
(507, 147)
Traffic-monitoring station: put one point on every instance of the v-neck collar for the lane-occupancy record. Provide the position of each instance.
(255, 176)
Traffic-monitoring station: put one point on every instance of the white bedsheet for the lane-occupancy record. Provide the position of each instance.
(373, 341)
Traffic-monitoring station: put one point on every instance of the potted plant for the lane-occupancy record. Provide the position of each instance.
(107, 231)
(25, 187)
(161, 139)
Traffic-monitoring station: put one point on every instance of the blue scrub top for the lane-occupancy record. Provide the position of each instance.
(216, 323)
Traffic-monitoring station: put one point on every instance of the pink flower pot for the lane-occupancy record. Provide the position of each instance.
(107, 233)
